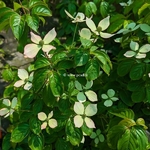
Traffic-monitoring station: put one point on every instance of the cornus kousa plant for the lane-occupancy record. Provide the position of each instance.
(26, 79)
(83, 114)
(47, 120)
(31, 50)
(87, 85)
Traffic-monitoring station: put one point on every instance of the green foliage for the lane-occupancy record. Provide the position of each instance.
(89, 79)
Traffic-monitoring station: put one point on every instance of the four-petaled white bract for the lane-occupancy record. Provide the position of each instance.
(78, 18)
(103, 25)
(47, 120)
(31, 50)
(24, 76)
(129, 28)
(10, 107)
(137, 52)
(83, 114)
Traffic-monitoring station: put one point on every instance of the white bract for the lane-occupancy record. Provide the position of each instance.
(136, 51)
(102, 26)
(31, 50)
(78, 18)
(47, 120)
(97, 136)
(83, 114)
(109, 98)
(26, 79)
(129, 28)
(127, 3)
(81, 96)
(10, 107)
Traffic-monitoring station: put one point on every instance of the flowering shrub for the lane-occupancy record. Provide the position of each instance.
(88, 84)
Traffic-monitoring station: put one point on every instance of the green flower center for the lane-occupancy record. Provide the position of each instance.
(99, 29)
(41, 43)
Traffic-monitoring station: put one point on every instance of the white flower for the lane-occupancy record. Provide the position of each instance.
(78, 18)
(82, 114)
(103, 25)
(25, 79)
(47, 120)
(10, 107)
(136, 51)
(31, 50)
(129, 28)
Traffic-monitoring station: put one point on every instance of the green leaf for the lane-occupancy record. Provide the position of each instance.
(139, 96)
(62, 144)
(126, 98)
(55, 84)
(65, 64)
(115, 26)
(144, 6)
(16, 6)
(92, 70)
(40, 78)
(105, 64)
(6, 144)
(74, 134)
(114, 134)
(135, 85)
(48, 96)
(90, 9)
(57, 57)
(35, 125)
(137, 71)
(2, 4)
(17, 24)
(20, 132)
(33, 22)
(35, 142)
(37, 106)
(104, 8)
(88, 131)
(123, 113)
(33, 2)
(41, 10)
(41, 62)
(85, 42)
(5, 10)
(81, 58)
(4, 19)
(145, 27)
(8, 74)
(124, 67)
